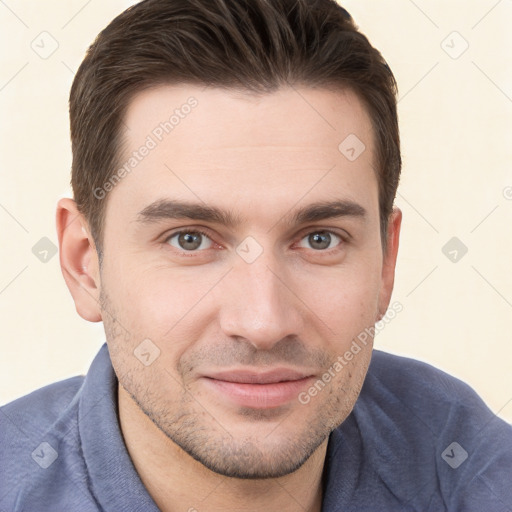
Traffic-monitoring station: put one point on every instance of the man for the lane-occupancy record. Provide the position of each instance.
(235, 164)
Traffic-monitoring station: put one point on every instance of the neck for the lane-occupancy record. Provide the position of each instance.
(177, 482)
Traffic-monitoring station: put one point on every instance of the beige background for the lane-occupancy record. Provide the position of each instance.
(456, 126)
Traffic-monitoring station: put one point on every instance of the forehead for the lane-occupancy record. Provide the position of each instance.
(196, 143)
(297, 116)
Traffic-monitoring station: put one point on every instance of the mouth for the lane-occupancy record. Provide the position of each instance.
(263, 390)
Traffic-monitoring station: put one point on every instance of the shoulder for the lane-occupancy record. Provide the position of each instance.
(46, 404)
(38, 412)
(438, 428)
(409, 378)
(424, 397)
(39, 442)
(428, 393)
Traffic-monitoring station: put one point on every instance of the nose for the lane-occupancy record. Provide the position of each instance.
(259, 304)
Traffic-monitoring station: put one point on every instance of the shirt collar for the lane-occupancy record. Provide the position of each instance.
(113, 480)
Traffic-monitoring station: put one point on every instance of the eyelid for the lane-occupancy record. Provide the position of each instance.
(185, 230)
(202, 231)
(341, 233)
(343, 239)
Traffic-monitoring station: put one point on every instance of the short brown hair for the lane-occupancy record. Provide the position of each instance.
(253, 45)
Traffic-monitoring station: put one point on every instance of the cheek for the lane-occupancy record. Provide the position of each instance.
(158, 302)
(344, 298)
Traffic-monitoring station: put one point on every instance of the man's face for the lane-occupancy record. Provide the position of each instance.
(246, 317)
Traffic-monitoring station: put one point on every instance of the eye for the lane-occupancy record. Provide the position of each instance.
(189, 240)
(320, 240)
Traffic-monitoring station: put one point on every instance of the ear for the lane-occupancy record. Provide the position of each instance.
(78, 260)
(389, 260)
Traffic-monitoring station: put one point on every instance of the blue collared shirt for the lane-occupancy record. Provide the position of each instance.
(417, 440)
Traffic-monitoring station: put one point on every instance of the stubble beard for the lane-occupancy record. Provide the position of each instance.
(189, 425)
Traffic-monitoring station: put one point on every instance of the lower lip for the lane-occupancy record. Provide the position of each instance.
(259, 396)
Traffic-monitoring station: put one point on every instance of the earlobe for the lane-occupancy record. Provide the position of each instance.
(78, 260)
(389, 261)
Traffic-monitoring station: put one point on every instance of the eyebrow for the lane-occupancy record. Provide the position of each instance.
(164, 209)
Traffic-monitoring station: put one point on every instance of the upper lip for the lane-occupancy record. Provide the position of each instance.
(252, 377)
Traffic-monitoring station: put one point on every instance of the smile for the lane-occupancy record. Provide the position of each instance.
(259, 391)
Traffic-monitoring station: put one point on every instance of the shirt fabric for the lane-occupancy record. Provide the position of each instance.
(416, 440)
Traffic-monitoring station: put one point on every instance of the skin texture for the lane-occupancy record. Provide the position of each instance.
(297, 306)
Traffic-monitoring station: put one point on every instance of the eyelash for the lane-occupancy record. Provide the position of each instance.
(193, 230)
(344, 240)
